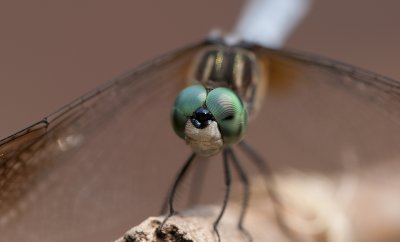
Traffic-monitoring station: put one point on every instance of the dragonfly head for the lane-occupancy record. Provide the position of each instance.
(209, 119)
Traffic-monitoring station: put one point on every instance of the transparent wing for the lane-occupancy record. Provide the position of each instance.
(324, 116)
(319, 112)
(76, 175)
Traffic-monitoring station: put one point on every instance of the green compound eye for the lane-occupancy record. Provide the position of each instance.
(188, 100)
(228, 111)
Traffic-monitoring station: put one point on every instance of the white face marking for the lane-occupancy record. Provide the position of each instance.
(204, 142)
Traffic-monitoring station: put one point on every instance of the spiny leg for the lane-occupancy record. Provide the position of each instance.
(175, 185)
(271, 186)
(227, 173)
(246, 193)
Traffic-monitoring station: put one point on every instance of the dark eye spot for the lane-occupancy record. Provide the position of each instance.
(229, 117)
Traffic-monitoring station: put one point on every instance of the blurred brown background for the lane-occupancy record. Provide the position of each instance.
(54, 51)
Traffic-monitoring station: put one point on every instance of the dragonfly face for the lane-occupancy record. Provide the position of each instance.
(208, 119)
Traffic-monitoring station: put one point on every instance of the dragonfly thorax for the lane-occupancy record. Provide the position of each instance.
(233, 67)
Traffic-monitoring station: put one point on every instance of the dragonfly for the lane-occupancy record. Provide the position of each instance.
(85, 172)
(315, 110)
(213, 112)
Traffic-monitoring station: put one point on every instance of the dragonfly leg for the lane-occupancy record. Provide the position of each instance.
(172, 192)
(227, 173)
(164, 206)
(271, 186)
(196, 189)
(246, 192)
